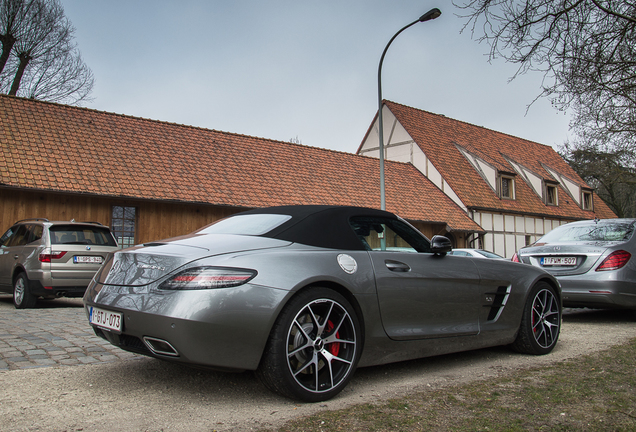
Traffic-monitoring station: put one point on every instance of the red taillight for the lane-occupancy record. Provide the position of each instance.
(515, 258)
(615, 261)
(47, 257)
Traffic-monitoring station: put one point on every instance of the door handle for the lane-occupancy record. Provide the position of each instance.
(397, 266)
(16, 256)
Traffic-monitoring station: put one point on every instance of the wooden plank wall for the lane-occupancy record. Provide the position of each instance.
(155, 220)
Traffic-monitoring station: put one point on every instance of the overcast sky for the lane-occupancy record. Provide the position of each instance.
(298, 69)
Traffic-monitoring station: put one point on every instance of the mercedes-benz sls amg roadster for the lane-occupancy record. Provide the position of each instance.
(305, 294)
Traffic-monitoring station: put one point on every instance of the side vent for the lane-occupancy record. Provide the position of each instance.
(496, 302)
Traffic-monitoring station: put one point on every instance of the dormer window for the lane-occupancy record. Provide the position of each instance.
(507, 187)
(551, 196)
(586, 200)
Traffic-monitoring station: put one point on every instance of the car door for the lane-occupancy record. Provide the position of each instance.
(5, 259)
(421, 294)
(11, 245)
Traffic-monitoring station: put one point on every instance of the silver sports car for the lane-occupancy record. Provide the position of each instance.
(305, 294)
(592, 260)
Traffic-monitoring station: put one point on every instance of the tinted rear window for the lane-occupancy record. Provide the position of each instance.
(248, 224)
(602, 231)
(85, 235)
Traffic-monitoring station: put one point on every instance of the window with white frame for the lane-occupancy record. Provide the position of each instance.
(551, 195)
(507, 187)
(586, 200)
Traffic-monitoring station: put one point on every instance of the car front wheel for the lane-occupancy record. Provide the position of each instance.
(22, 297)
(313, 348)
(541, 321)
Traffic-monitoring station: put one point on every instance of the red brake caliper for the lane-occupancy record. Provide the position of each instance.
(333, 348)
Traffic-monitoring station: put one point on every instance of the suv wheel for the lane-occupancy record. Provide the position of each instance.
(22, 297)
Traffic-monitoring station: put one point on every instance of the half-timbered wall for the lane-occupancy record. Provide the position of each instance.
(506, 234)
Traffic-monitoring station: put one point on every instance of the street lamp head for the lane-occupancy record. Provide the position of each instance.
(430, 15)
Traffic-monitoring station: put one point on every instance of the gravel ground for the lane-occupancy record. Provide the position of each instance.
(144, 394)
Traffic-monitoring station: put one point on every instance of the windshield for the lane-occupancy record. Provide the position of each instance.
(488, 254)
(594, 231)
(250, 224)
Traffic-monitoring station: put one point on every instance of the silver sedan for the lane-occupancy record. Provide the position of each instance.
(593, 261)
(305, 294)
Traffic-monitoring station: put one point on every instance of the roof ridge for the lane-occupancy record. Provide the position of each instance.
(467, 123)
(164, 122)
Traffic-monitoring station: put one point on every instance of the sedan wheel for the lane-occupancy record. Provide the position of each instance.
(541, 322)
(22, 297)
(314, 347)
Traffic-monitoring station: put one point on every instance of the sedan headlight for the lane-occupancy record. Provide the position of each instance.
(208, 278)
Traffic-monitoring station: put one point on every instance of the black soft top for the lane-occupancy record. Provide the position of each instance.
(320, 225)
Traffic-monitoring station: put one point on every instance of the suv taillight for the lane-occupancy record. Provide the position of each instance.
(515, 258)
(47, 257)
(615, 261)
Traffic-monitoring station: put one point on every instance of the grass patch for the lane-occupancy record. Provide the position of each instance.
(592, 393)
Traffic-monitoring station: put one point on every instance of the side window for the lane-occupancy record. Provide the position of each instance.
(123, 225)
(20, 237)
(36, 233)
(4, 240)
(392, 235)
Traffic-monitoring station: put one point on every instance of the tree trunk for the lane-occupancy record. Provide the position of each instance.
(7, 42)
(24, 61)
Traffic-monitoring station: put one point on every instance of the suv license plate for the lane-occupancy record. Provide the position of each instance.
(88, 259)
(105, 319)
(558, 261)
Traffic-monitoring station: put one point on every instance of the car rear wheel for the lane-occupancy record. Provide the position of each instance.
(541, 321)
(313, 348)
(22, 297)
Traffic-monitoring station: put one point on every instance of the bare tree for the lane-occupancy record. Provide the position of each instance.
(13, 20)
(586, 50)
(43, 62)
(59, 79)
(608, 168)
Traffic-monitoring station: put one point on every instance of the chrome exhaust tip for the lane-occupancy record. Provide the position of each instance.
(160, 346)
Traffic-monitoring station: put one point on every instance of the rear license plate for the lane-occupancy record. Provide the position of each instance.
(105, 319)
(558, 261)
(88, 259)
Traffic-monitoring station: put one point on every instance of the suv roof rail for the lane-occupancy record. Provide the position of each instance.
(33, 219)
(92, 222)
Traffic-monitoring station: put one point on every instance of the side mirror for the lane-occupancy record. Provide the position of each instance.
(440, 245)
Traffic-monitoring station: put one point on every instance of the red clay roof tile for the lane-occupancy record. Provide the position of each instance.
(88, 151)
(438, 137)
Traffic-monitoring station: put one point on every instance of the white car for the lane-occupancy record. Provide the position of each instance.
(475, 253)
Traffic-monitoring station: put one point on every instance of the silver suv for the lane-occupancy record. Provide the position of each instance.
(39, 258)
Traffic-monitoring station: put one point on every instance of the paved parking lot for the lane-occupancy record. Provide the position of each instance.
(56, 332)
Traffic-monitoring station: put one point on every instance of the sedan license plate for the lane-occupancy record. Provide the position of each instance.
(558, 261)
(105, 319)
(88, 259)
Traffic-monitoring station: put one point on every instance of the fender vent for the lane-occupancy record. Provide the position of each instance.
(496, 301)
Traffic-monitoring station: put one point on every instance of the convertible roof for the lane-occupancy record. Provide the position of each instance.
(320, 225)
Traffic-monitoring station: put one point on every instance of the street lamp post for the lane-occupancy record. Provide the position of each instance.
(430, 15)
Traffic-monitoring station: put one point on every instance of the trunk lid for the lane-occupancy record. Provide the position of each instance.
(142, 265)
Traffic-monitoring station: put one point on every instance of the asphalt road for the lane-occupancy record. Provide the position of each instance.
(55, 375)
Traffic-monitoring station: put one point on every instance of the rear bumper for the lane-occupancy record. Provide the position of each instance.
(218, 328)
(604, 294)
(37, 289)
(42, 284)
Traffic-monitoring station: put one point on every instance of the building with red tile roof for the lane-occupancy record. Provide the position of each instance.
(515, 189)
(149, 179)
